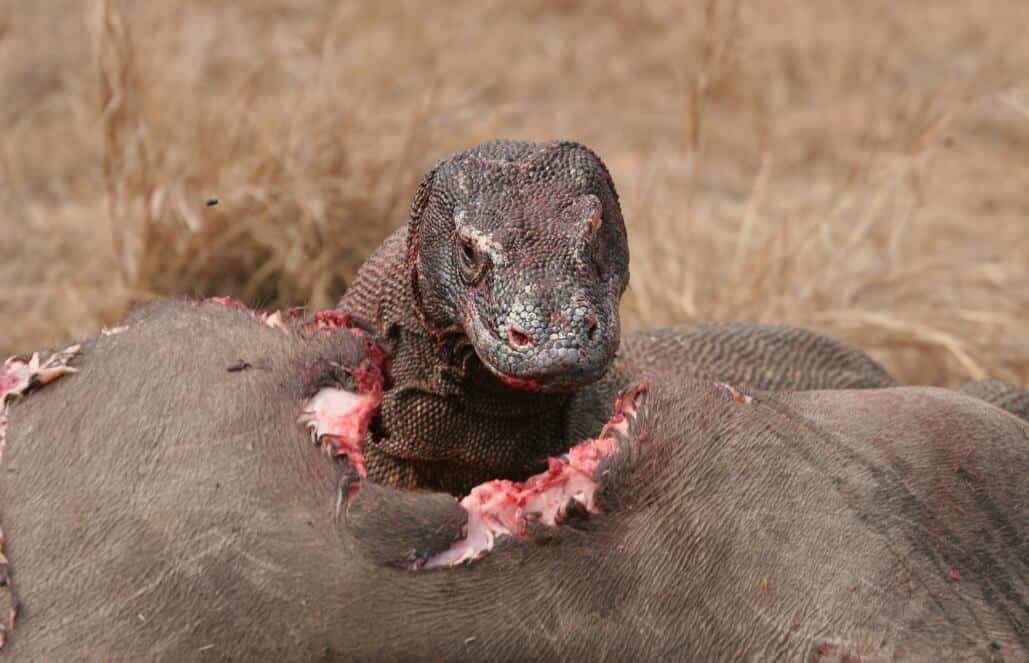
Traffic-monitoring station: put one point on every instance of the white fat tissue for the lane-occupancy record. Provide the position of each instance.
(339, 420)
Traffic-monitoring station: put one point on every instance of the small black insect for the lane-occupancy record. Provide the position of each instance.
(238, 366)
(211, 202)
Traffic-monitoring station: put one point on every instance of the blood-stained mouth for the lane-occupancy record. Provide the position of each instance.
(533, 384)
(543, 368)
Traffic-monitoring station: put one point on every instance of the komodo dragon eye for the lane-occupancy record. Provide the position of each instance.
(473, 261)
(468, 251)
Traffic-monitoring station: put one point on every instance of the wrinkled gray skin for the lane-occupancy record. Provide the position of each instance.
(158, 507)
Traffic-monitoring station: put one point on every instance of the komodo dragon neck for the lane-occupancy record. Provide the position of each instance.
(447, 422)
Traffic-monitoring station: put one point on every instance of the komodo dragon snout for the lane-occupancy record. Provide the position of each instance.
(521, 248)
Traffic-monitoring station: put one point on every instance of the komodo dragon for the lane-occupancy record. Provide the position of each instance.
(163, 504)
(500, 302)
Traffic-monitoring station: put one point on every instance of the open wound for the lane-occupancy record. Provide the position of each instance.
(501, 507)
(22, 374)
(338, 420)
(338, 417)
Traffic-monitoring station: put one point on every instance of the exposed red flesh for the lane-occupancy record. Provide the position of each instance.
(506, 508)
(19, 375)
(16, 370)
(331, 319)
(328, 321)
(275, 319)
(22, 373)
(339, 419)
(226, 300)
(8, 624)
(520, 383)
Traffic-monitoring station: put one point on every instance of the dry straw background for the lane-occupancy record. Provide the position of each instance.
(860, 168)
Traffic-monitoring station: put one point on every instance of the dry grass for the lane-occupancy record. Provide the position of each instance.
(858, 168)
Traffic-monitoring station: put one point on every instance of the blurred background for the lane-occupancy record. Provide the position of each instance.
(857, 168)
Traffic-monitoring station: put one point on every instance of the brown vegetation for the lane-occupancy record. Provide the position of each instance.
(857, 168)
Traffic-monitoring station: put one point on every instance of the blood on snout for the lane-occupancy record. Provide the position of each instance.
(521, 383)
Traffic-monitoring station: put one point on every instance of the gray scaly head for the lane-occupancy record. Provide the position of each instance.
(521, 248)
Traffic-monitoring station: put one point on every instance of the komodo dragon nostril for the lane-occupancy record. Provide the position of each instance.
(518, 338)
(592, 333)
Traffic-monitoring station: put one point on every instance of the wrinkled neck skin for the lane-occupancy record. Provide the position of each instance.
(446, 423)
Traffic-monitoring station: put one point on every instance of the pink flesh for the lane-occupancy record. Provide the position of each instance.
(327, 321)
(16, 369)
(506, 508)
(339, 420)
(276, 319)
(16, 374)
(113, 331)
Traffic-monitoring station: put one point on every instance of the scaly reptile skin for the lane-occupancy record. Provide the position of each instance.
(447, 423)
(1004, 395)
(756, 356)
(500, 301)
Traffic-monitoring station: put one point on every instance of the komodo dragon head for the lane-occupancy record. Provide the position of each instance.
(521, 249)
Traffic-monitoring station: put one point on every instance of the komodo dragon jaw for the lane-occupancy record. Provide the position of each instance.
(551, 368)
(523, 247)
